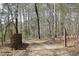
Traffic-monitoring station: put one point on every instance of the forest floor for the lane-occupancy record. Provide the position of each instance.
(43, 48)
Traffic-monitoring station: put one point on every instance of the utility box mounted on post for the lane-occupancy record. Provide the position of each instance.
(16, 41)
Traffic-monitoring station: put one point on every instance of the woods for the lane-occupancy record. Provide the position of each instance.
(43, 25)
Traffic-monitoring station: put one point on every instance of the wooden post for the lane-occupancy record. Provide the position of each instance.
(65, 38)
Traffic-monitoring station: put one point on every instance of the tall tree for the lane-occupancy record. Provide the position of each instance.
(55, 22)
(36, 10)
(17, 19)
(1, 30)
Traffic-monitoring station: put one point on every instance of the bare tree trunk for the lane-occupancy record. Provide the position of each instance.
(49, 28)
(37, 20)
(49, 21)
(2, 36)
(77, 30)
(17, 20)
(55, 23)
(7, 26)
(28, 23)
(1, 32)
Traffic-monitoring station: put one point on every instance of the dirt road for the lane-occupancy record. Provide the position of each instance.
(43, 48)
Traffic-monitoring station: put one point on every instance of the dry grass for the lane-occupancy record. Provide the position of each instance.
(44, 48)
